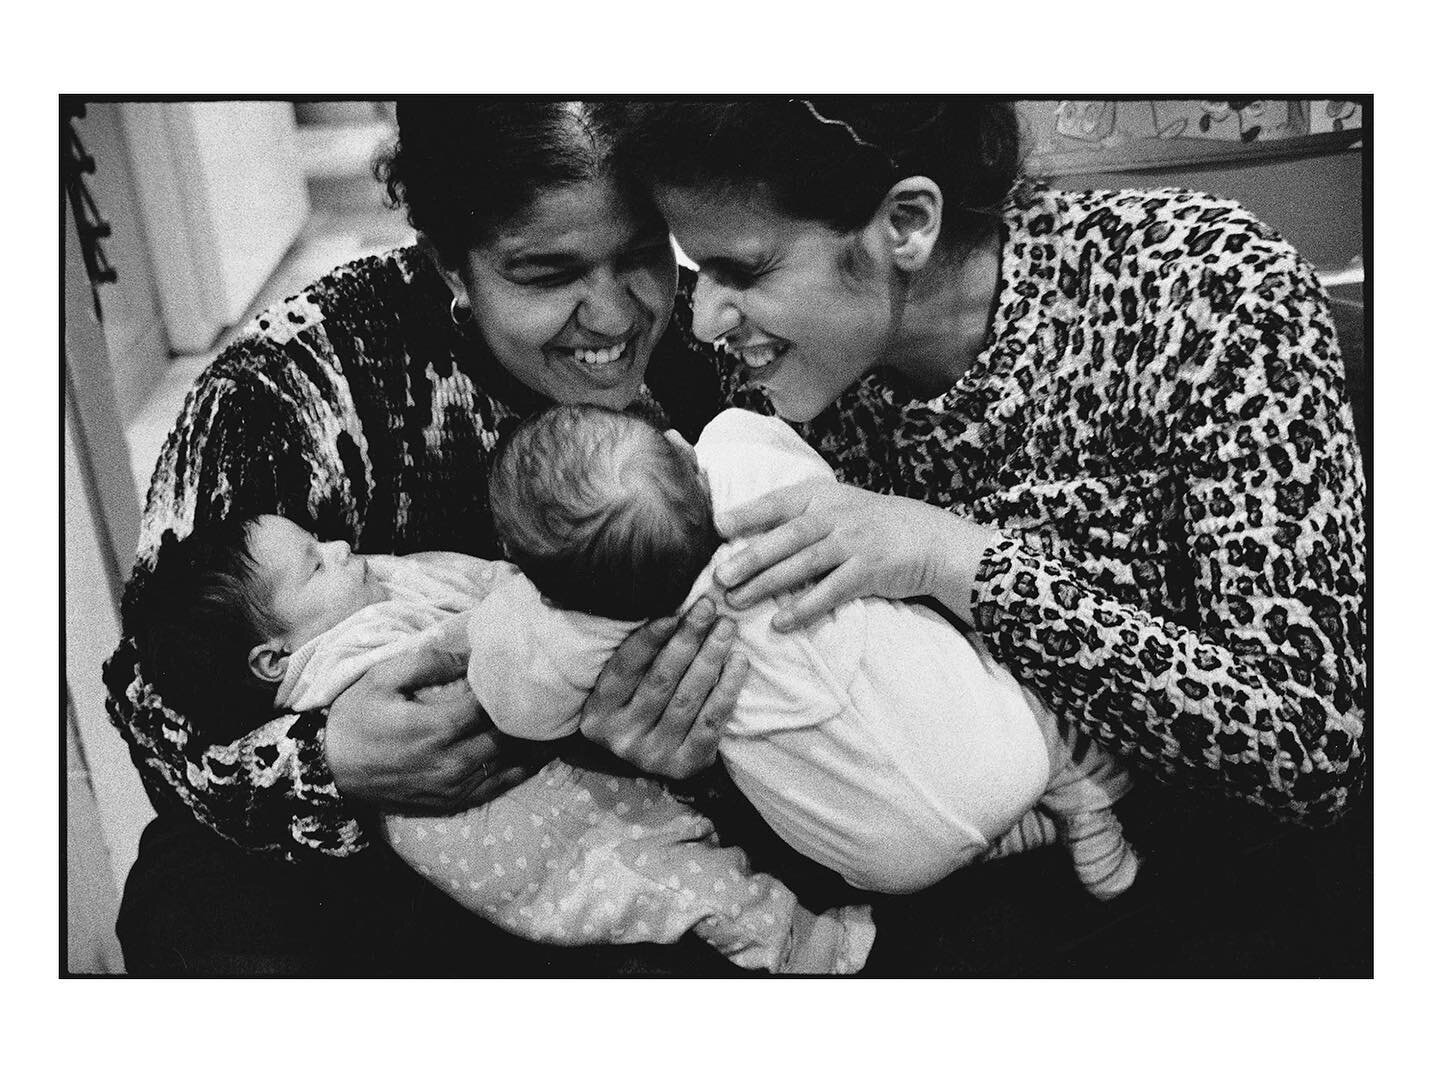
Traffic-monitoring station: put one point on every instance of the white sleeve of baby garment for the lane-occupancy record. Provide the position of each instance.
(445, 580)
(746, 455)
(327, 665)
(532, 665)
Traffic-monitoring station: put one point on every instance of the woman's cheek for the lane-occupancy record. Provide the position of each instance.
(656, 290)
(547, 316)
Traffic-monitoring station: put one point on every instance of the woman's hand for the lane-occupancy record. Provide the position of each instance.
(850, 543)
(663, 697)
(410, 737)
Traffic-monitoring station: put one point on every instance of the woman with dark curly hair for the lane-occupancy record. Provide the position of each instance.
(366, 409)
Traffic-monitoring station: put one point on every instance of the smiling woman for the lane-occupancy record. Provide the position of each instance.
(1107, 430)
(365, 410)
(570, 287)
(573, 298)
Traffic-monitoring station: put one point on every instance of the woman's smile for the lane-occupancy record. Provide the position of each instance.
(572, 296)
(604, 365)
(779, 294)
(759, 355)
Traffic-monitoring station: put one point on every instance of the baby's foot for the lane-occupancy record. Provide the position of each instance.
(836, 942)
(1116, 878)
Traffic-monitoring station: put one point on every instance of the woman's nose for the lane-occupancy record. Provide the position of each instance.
(608, 307)
(715, 311)
(337, 551)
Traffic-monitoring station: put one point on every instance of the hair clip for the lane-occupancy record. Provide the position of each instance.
(854, 135)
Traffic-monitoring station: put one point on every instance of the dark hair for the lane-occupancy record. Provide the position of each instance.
(462, 166)
(601, 512)
(199, 613)
(830, 159)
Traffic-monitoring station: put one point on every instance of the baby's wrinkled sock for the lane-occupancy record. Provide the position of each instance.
(835, 942)
(1034, 830)
(1104, 860)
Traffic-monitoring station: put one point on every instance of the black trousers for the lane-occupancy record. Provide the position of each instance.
(1223, 892)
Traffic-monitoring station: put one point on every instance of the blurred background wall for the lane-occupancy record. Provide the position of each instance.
(183, 220)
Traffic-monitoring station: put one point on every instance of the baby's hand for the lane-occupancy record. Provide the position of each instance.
(451, 636)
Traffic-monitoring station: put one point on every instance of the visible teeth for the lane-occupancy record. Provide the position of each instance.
(758, 355)
(598, 356)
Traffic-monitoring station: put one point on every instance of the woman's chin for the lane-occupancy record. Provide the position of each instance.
(617, 396)
(793, 409)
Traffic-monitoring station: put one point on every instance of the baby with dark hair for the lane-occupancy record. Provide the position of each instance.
(881, 742)
(248, 620)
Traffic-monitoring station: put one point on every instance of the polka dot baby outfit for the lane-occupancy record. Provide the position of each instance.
(571, 856)
(574, 856)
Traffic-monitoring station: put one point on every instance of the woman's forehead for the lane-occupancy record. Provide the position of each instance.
(573, 218)
(733, 222)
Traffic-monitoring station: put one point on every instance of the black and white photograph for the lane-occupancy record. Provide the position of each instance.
(868, 536)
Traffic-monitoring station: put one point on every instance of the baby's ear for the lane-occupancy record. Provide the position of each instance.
(676, 439)
(269, 660)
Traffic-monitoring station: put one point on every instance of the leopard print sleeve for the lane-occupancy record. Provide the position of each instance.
(1254, 681)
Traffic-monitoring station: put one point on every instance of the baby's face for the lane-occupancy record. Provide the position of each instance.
(312, 586)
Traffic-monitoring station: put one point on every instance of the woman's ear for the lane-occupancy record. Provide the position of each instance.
(269, 660)
(452, 279)
(908, 221)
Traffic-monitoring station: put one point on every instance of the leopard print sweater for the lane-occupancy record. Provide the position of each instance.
(361, 411)
(1158, 425)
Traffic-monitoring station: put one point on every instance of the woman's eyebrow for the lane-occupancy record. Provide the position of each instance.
(539, 260)
(730, 264)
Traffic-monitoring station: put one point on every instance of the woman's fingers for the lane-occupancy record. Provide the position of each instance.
(769, 510)
(657, 688)
(656, 729)
(794, 570)
(809, 606)
(720, 705)
(487, 786)
(480, 766)
(700, 678)
(702, 738)
(622, 674)
(765, 551)
(637, 681)
(758, 515)
(429, 666)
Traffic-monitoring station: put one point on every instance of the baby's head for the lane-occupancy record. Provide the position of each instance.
(603, 512)
(225, 608)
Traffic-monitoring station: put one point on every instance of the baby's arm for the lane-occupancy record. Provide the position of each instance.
(532, 665)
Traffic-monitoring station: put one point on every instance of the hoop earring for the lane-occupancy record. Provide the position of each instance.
(456, 307)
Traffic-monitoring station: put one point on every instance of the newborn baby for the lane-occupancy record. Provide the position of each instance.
(881, 742)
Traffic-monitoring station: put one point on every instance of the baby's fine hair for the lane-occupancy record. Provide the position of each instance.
(200, 611)
(602, 512)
